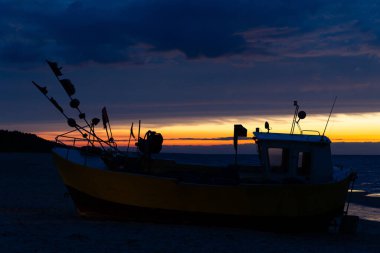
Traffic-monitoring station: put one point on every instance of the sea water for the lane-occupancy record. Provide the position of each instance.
(367, 167)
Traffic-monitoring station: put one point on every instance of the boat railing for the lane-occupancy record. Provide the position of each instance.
(70, 140)
(89, 140)
(312, 131)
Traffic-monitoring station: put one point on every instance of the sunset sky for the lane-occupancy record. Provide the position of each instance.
(193, 69)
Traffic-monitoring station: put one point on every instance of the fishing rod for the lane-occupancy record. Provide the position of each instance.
(69, 87)
(70, 121)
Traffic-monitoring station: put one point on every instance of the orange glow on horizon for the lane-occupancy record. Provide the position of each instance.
(342, 128)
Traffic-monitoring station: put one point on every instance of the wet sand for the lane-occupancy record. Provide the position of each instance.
(37, 216)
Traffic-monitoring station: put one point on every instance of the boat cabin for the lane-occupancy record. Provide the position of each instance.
(295, 157)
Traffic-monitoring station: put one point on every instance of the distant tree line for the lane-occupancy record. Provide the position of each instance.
(15, 141)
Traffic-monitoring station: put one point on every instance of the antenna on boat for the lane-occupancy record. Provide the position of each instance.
(138, 135)
(106, 125)
(332, 108)
(297, 114)
(130, 134)
(295, 103)
(267, 127)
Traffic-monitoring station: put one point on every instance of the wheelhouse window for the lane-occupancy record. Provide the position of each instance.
(304, 164)
(278, 160)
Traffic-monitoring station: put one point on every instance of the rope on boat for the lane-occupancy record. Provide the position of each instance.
(353, 178)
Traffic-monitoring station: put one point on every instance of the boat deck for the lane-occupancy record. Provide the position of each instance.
(191, 173)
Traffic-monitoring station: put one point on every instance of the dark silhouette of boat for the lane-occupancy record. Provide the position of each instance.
(295, 185)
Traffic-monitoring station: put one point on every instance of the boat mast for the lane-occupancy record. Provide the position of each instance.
(294, 116)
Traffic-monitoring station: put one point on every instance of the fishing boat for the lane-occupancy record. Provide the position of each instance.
(295, 185)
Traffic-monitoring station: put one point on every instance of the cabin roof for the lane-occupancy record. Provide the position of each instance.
(291, 137)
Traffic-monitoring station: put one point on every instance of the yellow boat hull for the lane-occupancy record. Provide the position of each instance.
(98, 192)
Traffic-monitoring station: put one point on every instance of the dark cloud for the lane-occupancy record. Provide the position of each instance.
(129, 31)
(212, 58)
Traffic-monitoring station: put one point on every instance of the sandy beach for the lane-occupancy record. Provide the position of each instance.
(37, 216)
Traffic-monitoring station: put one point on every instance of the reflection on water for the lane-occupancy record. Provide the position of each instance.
(365, 212)
(373, 195)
